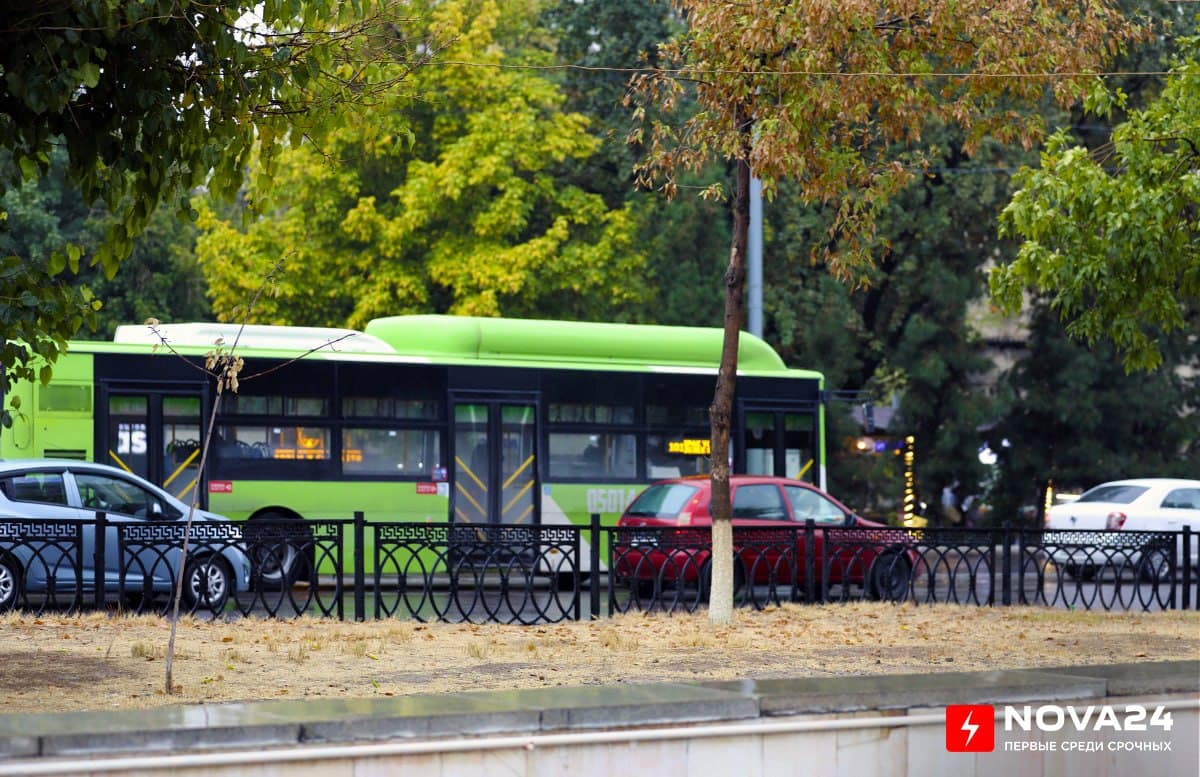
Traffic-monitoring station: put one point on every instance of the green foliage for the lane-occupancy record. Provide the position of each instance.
(1078, 418)
(453, 201)
(150, 100)
(160, 278)
(836, 96)
(1113, 236)
(38, 314)
(686, 240)
(909, 331)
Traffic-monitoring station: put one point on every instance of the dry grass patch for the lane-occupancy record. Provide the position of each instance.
(93, 661)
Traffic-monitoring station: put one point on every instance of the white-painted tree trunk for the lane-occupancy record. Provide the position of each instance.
(720, 601)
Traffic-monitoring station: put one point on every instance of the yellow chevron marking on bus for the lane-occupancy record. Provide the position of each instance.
(120, 463)
(528, 511)
(519, 470)
(188, 487)
(465, 470)
(181, 467)
(462, 491)
(517, 496)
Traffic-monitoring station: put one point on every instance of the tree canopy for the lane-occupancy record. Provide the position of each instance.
(1112, 235)
(836, 96)
(451, 202)
(159, 278)
(154, 98)
(1077, 418)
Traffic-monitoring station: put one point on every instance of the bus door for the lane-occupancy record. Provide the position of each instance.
(779, 441)
(155, 434)
(495, 464)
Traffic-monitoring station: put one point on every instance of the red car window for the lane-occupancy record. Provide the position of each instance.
(761, 501)
(807, 503)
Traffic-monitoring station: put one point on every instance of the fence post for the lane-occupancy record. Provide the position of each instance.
(594, 561)
(1188, 539)
(360, 604)
(1021, 566)
(1006, 564)
(810, 572)
(98, 561)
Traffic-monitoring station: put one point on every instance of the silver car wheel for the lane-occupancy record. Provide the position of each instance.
(208, 583)
(8, 584)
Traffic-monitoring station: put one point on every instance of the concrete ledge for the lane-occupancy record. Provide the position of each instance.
(263, 724)
(849, 694)
(1140, 679)
(526, 711)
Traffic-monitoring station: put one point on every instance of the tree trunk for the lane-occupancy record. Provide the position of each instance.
(720, 603)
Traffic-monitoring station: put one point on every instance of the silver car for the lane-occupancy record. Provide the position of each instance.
(1120, 512)
(37, 557)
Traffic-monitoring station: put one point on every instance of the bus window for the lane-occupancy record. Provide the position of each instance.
(591, 413)
(676, 455)
(760, 443)
(287, 443)
(799, 446)
(376, 407)
(248, 404)
(393, 452)
(593, 454)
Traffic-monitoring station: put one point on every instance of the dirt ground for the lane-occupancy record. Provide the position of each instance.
(94, 662)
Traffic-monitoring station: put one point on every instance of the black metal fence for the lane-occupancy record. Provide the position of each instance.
(353, 568)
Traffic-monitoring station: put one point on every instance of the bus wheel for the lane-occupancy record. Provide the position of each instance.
(565, 581)
(280, 551)
(10, 582)
(889, 576)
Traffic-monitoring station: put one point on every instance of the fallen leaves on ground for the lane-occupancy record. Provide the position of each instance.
(96, 661)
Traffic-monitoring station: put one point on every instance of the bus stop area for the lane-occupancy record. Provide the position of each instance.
(821, 726)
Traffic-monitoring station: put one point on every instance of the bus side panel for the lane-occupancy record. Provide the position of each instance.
(56, 420)
(391, 502)
(572, 504)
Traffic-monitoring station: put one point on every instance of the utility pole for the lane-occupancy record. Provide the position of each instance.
(754, 261)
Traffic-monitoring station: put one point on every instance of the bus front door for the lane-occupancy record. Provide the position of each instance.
(155, 435)
(779, 442)
(495, 466)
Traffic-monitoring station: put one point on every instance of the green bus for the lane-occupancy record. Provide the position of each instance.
(422, 418)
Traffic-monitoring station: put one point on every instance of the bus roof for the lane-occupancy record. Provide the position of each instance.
(566, 342)
(444, 339)
(295, 339)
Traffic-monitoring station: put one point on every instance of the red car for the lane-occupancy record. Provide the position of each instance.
(769, 516)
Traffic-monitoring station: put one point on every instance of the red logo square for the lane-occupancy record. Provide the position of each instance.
(970, 728)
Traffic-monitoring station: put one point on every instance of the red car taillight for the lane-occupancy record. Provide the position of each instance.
(685, 516)
(1115, 521)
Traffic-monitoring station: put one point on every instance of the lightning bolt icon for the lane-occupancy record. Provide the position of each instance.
(970, 728)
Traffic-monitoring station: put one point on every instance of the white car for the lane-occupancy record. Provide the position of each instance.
(1136, 505)
(37, 556)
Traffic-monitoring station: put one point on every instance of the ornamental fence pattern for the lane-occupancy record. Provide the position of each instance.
(491, 573)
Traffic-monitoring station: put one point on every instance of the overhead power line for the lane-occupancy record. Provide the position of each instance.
(815, 73)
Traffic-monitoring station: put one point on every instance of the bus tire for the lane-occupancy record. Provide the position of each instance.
(1083, 572)
(276, 563)
(566, 581)
(889, 577)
